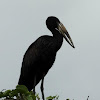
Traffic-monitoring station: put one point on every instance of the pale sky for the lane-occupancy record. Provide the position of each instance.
(75, 73)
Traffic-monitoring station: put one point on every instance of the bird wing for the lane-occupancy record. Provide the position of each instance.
(37, 60)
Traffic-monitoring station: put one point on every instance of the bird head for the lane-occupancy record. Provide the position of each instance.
(54, 23)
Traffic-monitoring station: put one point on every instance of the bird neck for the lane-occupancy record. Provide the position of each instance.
(58, 39)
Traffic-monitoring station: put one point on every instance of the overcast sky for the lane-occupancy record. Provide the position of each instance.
(76, 72)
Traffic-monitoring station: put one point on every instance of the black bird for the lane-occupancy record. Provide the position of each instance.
(41, 54)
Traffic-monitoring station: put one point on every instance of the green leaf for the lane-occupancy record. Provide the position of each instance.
(1, 94)
(13, 93)
(6, 93)
(22, 89)
(52, 97)
(32, 95)
(37, 96)
(29, 97)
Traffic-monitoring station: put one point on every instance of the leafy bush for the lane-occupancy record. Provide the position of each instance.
(21, 93)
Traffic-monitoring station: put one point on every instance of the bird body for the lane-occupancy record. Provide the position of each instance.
(41, 55)
(38, 59)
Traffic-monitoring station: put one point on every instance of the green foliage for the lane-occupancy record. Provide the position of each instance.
(52, 97)
(21, 93)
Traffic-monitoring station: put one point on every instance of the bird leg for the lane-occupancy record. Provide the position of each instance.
(34, 90)
(34, 85)
(42, 88)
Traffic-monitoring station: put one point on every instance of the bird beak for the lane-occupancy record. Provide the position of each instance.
(65, 34)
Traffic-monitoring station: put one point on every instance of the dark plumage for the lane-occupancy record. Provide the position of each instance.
(41, 54)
